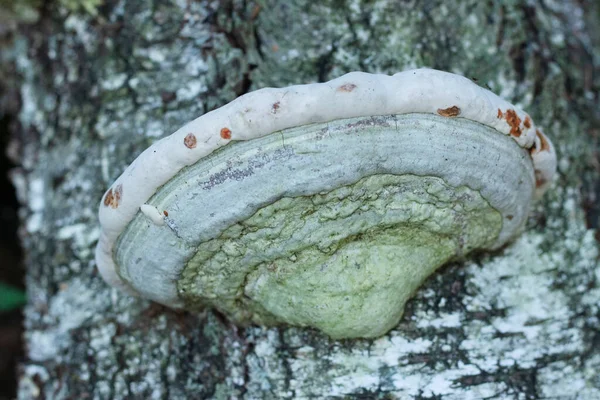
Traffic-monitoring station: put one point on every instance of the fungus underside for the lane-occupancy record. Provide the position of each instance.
(332, 225)
(344, 262)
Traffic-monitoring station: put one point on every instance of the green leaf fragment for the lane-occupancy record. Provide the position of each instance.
(11, 297)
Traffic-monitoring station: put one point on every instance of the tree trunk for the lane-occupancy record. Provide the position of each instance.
(98, 85)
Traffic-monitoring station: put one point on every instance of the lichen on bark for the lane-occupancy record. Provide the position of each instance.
(96, 90)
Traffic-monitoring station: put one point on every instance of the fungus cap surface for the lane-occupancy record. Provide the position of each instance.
(309, 140)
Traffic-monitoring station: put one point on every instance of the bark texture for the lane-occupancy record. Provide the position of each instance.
(97, 88)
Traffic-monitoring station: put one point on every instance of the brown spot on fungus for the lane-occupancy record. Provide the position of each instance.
(166, 213)
(513, 120)
(500, 114)
(346, 87)
(226, 133)
(275, 107)
(449, 112)
(113, 197)
(544, 145)
(539, 179)
(190, 141)
(527, 122)
(108, 198)
(510, 217)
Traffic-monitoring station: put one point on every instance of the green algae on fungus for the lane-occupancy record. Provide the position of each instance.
(345, 261)
(325, 211)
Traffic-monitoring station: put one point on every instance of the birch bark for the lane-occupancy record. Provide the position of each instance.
(97, 89)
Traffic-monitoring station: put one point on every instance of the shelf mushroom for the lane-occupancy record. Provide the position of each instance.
(323, 205)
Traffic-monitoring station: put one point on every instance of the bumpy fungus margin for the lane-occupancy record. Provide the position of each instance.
(333, 204)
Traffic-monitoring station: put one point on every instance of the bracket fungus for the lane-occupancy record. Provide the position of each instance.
(323, 205)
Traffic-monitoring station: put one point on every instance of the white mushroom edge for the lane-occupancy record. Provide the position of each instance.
(259, 113)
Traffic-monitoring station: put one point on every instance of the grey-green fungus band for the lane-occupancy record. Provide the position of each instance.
(331, 225)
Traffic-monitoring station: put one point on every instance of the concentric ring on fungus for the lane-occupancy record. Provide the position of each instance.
(333, 204)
